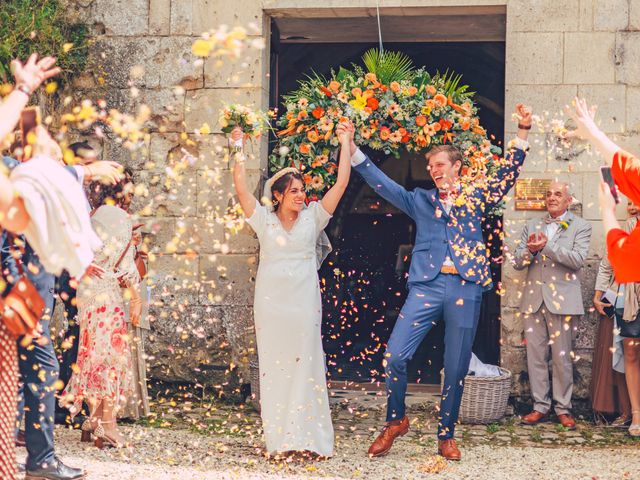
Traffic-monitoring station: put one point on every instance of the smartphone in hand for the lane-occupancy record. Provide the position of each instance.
(607, 177)
(29, 120)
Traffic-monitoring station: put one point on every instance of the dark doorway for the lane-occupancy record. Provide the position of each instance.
(364, 284)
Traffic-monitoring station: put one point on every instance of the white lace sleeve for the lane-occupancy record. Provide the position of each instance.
(320, 216)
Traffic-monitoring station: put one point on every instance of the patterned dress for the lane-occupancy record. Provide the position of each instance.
(8, 403)
(104, 367)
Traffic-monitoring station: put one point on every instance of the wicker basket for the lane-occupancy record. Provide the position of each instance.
(485, 398)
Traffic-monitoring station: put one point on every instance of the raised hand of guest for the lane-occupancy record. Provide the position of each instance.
(584, 117)
(524, 116)
(104, 171)
(45, 145)
(245, 197)
(32, 73)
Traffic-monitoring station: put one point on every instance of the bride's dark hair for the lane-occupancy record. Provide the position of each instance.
(283, 184)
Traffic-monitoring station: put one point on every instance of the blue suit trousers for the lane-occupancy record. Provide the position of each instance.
(457, 302)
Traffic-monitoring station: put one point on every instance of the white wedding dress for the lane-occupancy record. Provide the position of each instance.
(288, 317)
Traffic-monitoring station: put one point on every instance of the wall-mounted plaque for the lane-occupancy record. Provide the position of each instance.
(531, 193)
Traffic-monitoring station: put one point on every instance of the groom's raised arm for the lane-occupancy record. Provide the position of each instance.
(395, 194)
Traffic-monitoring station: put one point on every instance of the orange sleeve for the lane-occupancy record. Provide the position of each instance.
(623, 250)
(626, 173)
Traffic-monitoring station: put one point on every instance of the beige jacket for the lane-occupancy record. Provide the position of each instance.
(553, 274)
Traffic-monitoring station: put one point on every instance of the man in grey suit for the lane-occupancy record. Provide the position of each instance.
(553, 250)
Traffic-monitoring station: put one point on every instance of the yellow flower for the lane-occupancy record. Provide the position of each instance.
(201, 48)
(359, 102)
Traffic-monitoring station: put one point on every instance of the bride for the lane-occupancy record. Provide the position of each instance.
(287, 306)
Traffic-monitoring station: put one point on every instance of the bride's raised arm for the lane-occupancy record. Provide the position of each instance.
(247, 199)
(332, 197)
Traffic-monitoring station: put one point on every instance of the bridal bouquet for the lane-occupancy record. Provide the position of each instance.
(252, 123)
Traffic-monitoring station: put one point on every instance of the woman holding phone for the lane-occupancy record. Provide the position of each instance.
(623, 247)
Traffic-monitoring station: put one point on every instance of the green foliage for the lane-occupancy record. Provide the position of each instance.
(28, 26)
(388, 66)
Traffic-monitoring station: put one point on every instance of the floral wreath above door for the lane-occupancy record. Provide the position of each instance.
(394, 107)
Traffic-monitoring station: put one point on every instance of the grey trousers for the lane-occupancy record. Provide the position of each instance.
(548, 333)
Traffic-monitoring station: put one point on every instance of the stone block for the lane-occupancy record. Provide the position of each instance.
(546, 100)
(628, 58)
(181, 17)
(633, 109)
(175, 280)
(160, 17)
(184, 344)
(171, 196)
(208, 14)
(167, 106)
(611, 15)
(122, 17)
(240, 331)
(586, 15)
(246, 72)
(216, 191)
(611, 116)
(514, 359)
(529, 65)
(543, 16)
(227, 279)
(600, 68)
(173, 64)
(203, 106)
(634, 15)
(512, 333)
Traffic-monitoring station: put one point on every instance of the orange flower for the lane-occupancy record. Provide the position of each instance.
(302, 114)
(365, 133)
(356, 92)
(305, 148)
(431, 90)
(307, 179)
(371, 77)
(431, 129)
(445, 124)
(479, 130)
(464, 124)
(422, 141)
(421, 120)
(440, 100)
(326, 91)
(402, 131)
(395, 87)
(412, 90)
(373, 103)
(334, 86)
(331, 167)
(385, 133)
(318, 112)
(312, 135)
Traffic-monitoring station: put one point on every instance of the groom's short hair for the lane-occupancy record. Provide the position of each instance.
(453, 153)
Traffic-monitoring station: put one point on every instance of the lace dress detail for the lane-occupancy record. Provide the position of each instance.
(104, 356)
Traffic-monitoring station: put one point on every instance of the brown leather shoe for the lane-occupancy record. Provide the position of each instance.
(449, 450)
(567, 421)
(390, 432)
(534, 417)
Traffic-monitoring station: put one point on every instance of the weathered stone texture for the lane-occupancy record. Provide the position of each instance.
(601, 50)
(541, 64)
(122, 17)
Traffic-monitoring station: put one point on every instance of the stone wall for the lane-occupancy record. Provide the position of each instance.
(203, 281)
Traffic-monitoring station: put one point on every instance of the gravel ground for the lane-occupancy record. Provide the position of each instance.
(180, 454)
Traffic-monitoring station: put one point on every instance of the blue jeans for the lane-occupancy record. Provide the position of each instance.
(457, 302)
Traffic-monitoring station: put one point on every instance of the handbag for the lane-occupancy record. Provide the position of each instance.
(23, 307)
(629, 329)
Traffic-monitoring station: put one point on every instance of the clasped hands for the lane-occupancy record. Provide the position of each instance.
(536, 242)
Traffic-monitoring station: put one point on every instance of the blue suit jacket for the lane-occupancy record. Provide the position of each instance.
(457, 234)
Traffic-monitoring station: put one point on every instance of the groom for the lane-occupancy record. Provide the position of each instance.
(448, 273)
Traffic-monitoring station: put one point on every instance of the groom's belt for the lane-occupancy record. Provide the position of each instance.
(449, 269)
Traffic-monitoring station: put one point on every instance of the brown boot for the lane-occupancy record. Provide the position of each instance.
(390, 432)
(449, 450)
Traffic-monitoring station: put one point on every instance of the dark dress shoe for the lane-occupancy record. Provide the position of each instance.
(390, 432)
(55, 470)
(567, 421)
(449, 450)
(534, 418)
(20, 439)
